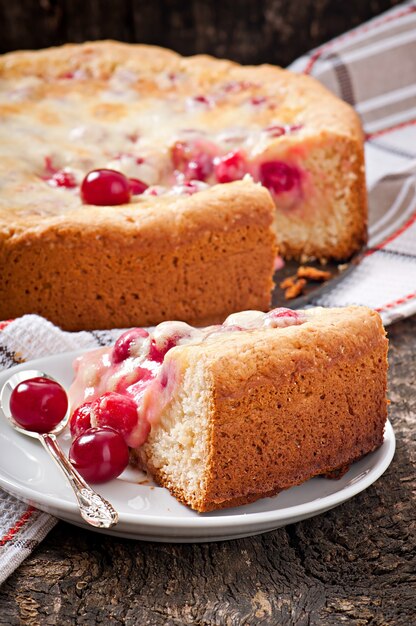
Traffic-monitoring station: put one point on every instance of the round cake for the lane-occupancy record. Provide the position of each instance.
(215, 163)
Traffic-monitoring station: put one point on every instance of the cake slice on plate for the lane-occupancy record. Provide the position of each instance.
(232, 413)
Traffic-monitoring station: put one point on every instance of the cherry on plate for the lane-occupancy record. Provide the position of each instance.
(38, 404)
(99, 454)
(80, 420)
(105, 188)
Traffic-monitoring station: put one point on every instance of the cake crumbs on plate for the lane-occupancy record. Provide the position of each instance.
(312, 273)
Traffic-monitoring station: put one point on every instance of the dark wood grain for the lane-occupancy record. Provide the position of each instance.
(354, 565)
(273, 31)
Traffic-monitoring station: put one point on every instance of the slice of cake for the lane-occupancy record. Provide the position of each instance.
(232, 413)
(155, 128)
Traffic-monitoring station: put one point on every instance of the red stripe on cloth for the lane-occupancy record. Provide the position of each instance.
(5, 323)
(20, 522)
(392, 305)
(390, 129)
(363, 29)
(393, 236)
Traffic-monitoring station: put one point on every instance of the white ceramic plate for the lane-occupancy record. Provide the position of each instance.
(149, 512)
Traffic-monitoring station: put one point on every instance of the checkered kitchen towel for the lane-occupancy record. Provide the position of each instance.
(22, 526)
(374, 68)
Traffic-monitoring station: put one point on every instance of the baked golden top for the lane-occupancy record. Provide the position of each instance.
(128, 107)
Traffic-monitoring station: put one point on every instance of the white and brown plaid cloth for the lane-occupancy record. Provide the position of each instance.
(373, 68)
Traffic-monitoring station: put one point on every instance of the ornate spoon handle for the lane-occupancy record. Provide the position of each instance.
(93, 508)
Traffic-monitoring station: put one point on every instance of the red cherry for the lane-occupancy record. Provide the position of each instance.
(124, 343)
(137, 186)
(192, 160)
(157, 353)
(80, 420)
(49, 166)
(105, 188)
(278, 176)
(282, 312)
(63, 178)
(120, 413)
(99, 454)
(116, 411)
(138, 377)
(232, 166)
(282, 317)
(38, 404)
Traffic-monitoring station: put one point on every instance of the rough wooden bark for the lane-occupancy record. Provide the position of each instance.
(354, 565)
(273, 31)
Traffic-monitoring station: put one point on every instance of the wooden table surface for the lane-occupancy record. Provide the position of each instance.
(353, 565)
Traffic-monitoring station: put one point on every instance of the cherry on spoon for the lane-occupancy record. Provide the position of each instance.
(48, 396)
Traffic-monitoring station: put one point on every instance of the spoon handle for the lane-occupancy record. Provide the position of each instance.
(93, 508)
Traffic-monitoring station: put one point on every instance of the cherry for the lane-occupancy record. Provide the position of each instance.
(281, 317)
(58, 177)
(157, 352)
(63, 178)
(80, 420)
(278, 176)
(105, 188)
(124, 343)
(120, 413)
(232, 166)
(99, 454)
(38, 404)
(192, 160)
(137, 187)
(166, 336)
(115, 410)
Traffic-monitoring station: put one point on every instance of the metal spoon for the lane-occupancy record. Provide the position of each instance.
(93, 508)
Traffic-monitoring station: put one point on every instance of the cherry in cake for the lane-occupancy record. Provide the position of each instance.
(226, 414)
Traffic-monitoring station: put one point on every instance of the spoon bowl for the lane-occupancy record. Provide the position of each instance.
(94, 509)
(6, 392)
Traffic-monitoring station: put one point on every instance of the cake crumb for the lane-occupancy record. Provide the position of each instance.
(287, 282)
(295, 289)
(312, 273)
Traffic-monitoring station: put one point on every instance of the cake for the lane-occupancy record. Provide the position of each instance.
(168, 131)
(231, 413)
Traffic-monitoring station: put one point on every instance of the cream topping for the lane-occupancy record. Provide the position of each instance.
(144, 375)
